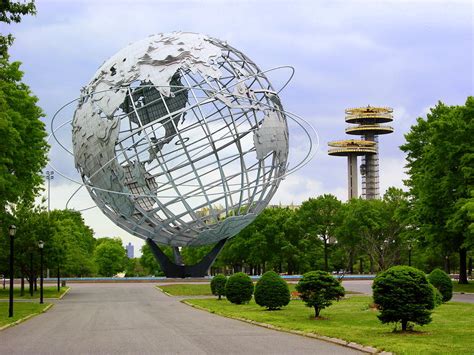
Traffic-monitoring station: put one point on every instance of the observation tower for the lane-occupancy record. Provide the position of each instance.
(367, 122)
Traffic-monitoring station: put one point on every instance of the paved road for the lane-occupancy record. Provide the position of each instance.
(365, 287)
(138, 319)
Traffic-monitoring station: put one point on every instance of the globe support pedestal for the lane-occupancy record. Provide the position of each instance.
(173, 270)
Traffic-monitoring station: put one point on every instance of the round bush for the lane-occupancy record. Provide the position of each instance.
(438, 297)
(442, 282)
(271, 291)
(239, 288)
(403, 295)
(218, 285)
(318, 289)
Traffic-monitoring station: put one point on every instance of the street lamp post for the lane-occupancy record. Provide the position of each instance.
(11, 232)
(31, 272)
(409, 254)
(49, 177)
(41, 246)
(59, 280)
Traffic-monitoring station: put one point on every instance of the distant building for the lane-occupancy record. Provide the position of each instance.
(130, 250)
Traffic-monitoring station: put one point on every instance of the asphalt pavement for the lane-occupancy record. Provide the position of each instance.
(135, 318)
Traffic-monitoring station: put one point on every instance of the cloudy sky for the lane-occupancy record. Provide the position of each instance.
(402, 54)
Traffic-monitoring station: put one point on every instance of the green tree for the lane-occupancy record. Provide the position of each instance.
(73, 244)
(403, 295)
(440, 157)
(318, 289)
(149, 263)
(375, 228)
(239, 288)
(133, 268)
(320, 217)
(271, 291)
(218, 285)
(441, 280)
(12, 11)
(23, 147)
(109, 256)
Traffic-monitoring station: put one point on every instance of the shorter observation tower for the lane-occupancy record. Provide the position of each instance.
(368, 123)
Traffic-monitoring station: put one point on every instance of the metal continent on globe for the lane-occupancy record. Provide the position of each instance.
(180, 138)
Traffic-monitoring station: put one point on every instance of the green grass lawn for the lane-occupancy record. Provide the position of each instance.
(351, 319)
(463, 288)
(200, 289)
(48, 292)
(195, 289)
(187, 289)
(20, 310)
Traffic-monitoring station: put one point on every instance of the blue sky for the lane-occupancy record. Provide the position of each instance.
(402, 54)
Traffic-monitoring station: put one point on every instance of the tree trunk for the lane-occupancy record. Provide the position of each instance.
(351, 261)
(361, 266)
(470, 266)
(22, 288)
(404, 324)
(326, 267)
(462, 266)
(447, 267)
(316, 312)
(31, 275)
(30, 281)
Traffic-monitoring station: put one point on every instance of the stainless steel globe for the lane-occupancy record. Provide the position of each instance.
(180, 138)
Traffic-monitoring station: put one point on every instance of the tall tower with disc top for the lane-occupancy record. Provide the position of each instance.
(367, 122)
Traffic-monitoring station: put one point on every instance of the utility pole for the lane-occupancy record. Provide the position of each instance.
(49, 177)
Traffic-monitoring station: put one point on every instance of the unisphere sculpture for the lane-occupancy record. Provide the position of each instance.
(181, 140)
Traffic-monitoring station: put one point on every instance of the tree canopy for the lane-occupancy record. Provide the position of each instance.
(12, 11)
(440, 158)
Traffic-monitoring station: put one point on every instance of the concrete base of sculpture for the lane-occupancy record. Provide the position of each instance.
(179, 270)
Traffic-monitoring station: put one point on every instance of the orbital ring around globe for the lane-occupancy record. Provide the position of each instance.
(308, 130)
(191, 161)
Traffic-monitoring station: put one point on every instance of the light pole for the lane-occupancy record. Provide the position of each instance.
(409, 254)
(49, 177)
(59, 280)
(41, 246)
(11, 232)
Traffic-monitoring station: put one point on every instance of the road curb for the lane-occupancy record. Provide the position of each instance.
(21, 320)
(163, 291)
(60, 297)
(65, 292)
(347, 344)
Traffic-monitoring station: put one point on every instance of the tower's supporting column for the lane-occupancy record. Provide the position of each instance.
(371, 177)
(352, 176)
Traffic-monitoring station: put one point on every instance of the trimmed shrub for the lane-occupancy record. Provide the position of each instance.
(218, 285)
(442, 282)
(271, 291)
(438, 297)
(318, 289)
(239, 288)
(403, 294)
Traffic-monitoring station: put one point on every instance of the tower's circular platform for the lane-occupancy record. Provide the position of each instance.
(374, 129)
(369, 115)
(352, 147)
